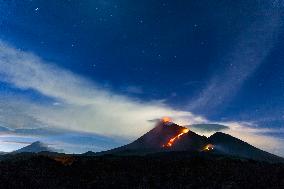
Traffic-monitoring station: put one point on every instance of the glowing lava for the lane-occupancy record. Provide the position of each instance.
(166, 120)
(208, 147)
(65, 160)
(172, 140)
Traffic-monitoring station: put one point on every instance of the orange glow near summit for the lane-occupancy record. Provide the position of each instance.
(166, 119)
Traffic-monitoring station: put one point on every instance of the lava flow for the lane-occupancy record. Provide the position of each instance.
(172, 140)
(208, 147)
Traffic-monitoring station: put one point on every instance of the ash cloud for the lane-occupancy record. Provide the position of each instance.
(208, 127)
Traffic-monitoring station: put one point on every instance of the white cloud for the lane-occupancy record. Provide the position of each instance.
(83, 105)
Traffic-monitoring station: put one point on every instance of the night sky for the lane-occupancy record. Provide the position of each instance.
(93, 74)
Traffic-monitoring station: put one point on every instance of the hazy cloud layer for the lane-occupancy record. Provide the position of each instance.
(62, 139)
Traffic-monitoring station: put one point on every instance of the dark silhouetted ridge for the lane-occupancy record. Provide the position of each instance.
(230, 145)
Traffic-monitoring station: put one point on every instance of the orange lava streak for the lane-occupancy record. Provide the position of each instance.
(172, 140)
(65, 160)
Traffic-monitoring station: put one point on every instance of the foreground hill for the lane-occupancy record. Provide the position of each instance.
(160, 170)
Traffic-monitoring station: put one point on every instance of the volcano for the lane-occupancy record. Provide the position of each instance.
(35, 147)
(166, 136)
(170, 137)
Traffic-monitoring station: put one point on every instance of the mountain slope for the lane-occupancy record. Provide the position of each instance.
(152, 141)
(35, 148)
(166, 136)
(230, 145)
